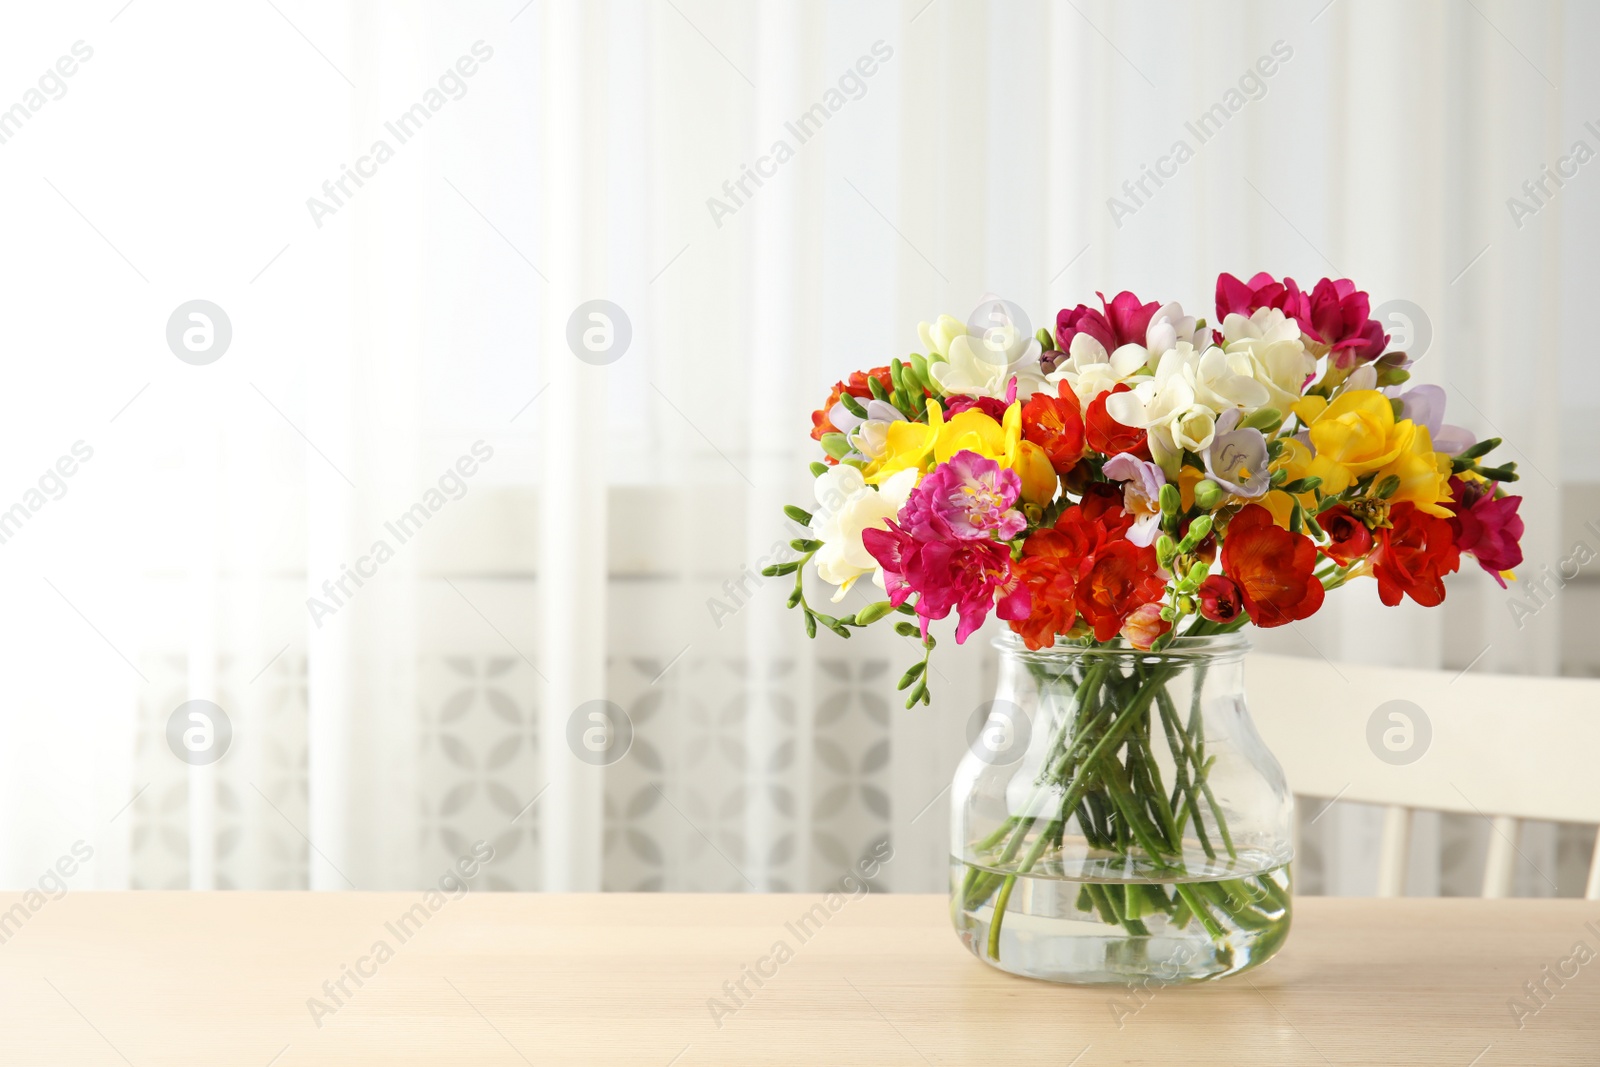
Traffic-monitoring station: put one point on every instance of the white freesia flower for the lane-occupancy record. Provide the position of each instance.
(1169, 405)
(846, 506)
(936, 336)
(1090, 370)
(1363, 377)
(1278, 358)
(974, 368)
(872, 436)
(1224, 380)
(1169, 326)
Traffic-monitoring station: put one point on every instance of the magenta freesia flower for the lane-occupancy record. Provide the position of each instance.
(1261, 291)
(967, 576)
(967, 498)
(1124, 321)
(990, 406)
(1339, 316)
(1489, 530)
(1334, 314)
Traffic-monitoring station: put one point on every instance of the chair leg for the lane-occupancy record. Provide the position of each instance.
(1501, 862)
(1394, 852)
(1592, 890)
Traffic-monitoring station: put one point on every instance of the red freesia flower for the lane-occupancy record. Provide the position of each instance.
(969, 576)
(1413, 556)
(1055, 425)
(1084, 565)
(1220, 599)
(1348, 537)
(1122, 578)
(1123, 322)
(857, 387)
(1107, 435)
(1486, 528)
(1052, 585)
(1273, 568)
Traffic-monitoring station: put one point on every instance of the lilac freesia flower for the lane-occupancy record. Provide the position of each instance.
(1141, 494)
(1237, 459)
(1424, 406)
(967, 498)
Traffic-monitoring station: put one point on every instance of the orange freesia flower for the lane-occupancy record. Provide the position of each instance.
(1055, 425)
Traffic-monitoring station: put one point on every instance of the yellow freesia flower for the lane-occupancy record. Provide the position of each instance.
(974, 431)
(908, 446)
(1355, 435)
(1296, 459)
(1424, 475)
(1038, 476)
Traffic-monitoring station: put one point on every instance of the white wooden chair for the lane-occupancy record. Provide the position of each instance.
(1506, 747)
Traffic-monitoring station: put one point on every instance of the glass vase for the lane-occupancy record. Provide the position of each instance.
(1117, 819)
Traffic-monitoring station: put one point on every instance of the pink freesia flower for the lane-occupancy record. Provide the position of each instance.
(1339, 316)
(1141, 494)
(1335, 313)
(968, 576)
(966, 498)
(1261, 291)
(1125, 321)
(990, 406)
(1488, 529)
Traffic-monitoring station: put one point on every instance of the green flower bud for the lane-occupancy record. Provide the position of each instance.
(1208, 494)
(1199, 530)
(873, 612)
(1171, 500)
(1263, 419)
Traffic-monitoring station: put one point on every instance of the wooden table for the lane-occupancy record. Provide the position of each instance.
(230, 978)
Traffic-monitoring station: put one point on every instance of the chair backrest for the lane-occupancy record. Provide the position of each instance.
(1505, 747)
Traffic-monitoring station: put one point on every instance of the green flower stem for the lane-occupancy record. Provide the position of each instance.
(1039, 845)
(1075, 791)
(1182, 757)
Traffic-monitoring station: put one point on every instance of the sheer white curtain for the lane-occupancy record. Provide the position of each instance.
(607, 542)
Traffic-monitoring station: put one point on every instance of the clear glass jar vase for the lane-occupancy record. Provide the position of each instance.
(1117, 818)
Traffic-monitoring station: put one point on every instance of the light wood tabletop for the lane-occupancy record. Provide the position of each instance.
(239, 979)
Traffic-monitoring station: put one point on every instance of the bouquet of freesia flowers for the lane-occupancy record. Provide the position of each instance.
(1136, 477)
(1140, 474)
